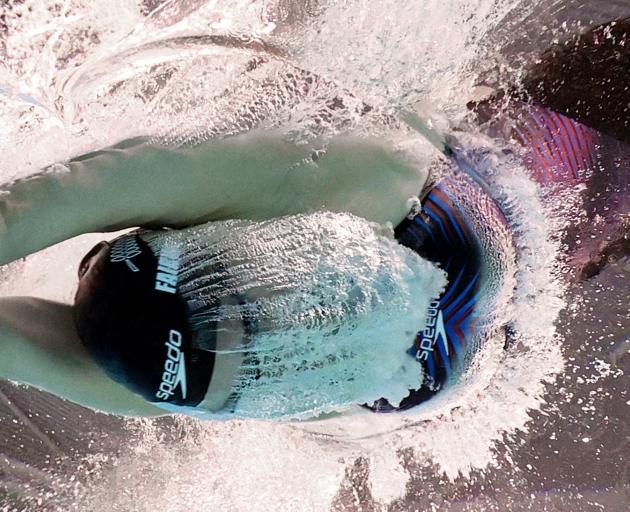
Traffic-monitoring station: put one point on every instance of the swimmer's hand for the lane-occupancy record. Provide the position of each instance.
(255, 176)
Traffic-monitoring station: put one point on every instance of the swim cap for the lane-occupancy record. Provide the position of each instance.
(133, 322)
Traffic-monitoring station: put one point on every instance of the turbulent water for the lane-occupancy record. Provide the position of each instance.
(323, 291)
(542, 425)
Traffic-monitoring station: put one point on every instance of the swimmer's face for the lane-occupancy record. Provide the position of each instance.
(88, 276)
(87, 263)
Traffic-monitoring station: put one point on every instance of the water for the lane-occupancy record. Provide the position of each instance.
(541, 426)
(321, 292)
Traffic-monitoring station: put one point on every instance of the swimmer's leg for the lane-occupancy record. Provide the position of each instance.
(39, 346)
(586, 78)
(256, 176)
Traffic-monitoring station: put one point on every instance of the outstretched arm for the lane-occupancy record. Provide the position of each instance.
(39, 346)
(257, 175)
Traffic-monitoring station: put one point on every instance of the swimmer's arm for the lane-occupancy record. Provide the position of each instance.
(39, 346)
(255, 176)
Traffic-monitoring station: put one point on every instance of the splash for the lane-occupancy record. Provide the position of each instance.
(78, 79)
(326, 296)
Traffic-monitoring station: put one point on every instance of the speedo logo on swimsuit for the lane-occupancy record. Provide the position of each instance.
(168, 264)
(174, 368)
(125, 249)
(433, 330)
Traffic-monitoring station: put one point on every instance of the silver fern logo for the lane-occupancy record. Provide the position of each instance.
(124, 250)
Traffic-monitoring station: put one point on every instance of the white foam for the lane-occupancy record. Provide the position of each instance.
(328, 294)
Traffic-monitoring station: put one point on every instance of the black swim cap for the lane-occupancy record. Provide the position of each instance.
(133, 322)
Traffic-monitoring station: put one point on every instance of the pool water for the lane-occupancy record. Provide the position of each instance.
(539, 423)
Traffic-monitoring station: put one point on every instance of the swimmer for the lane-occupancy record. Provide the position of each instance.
(55, 346)
(132, 184)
